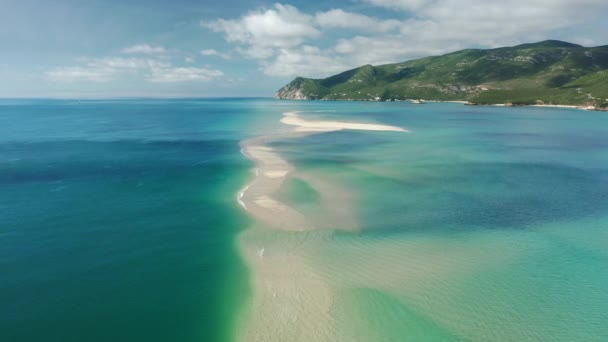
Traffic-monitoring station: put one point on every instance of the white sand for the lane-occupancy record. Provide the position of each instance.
(269, 203)
(275, 173)
(293, 119)
(564, 106)
(256, 197)
(291, 301)
(271, 170)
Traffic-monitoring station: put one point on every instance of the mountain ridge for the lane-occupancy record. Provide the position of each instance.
(549, 72)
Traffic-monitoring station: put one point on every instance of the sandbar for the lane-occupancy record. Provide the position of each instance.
(293, 119)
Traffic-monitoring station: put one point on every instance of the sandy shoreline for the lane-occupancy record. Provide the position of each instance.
(465, 102)
(592, 108)
(271, 170)
(291, 301)
(292, 118)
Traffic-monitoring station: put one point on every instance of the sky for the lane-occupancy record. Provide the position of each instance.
(187, 48)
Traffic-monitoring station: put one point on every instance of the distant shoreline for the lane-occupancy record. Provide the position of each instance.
(589, 108)
(465, 102)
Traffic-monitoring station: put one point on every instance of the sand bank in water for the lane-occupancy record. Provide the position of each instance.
(272, 170)
(293, 119)
(292, 301)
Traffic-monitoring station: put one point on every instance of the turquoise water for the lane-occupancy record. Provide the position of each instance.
(119, 220)
(483, 223)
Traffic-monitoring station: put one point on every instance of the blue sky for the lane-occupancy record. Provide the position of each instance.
(95, 48)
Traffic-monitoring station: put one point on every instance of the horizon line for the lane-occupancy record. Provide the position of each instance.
(131, 97)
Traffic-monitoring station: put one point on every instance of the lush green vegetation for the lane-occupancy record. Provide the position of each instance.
(548, 72)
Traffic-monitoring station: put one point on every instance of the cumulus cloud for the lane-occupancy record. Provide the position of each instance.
(264, 30)
(265, 33)
(145, 49)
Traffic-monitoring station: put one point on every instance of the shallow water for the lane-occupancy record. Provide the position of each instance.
(119, 220)
(482, 223)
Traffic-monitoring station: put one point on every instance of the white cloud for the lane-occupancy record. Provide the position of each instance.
(407, 5)
(145, 49)
(305, 60)
(111, 68)
(256, 51)
(213, 52)
(181, 74)
(337, 18)
(433, 8)
(125, 63)
(100, 69)
(264, 30)
(76, 74)
(283, 37)
(209, 52)
(390, 49)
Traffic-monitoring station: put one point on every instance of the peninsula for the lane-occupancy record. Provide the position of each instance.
(550, 72)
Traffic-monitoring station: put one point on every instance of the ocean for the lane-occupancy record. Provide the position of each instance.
(211, 220)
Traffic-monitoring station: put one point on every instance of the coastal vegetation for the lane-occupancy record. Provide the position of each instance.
(550, 72)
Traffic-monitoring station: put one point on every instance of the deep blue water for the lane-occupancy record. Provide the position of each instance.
(117, 219)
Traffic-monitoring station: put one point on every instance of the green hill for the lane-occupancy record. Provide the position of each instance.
(548, 72)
